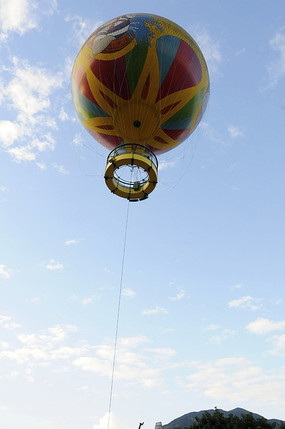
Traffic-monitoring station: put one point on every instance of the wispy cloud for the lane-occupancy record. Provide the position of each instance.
(71, 242)
(133, 342)
(222, 336)
(4, 188)
(276, 68)
(156, 310)
(133, 364)
(209, 46)
(211, 327)
(278, 348)
(128, 293)
(245, 302)
(52, 265)
(5, 272)
(60, 168)
(165, 165)
(235, 378)
(64, 116)
(37, 300)
(180, 295)
(236, 286)
(78, 140)
(7, 323)
(219, 334)
(263, 326)
(81, 27)
(42, 349)
(234, 131)
(211, 133)
(53, 335)
(88, 300)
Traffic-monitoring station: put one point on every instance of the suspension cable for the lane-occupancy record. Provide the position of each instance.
(118, 316)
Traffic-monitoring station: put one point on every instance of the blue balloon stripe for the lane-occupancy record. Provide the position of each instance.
(183, 124)
(166, 48)
(92, 109)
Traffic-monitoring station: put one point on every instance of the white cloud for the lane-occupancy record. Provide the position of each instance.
(18, 15)
(5, 273)
(131, 365)
(51, 336)
(37, 300)
(50, 348)
(211, 327)
(237, 379)
(211, 133)
(128, 293)
(133, 342)
(278, 345)
(9, 132)
(223, 335)
(7, 323)
(220, 334)
(111, 420)
(81, 28)
(44, 348)
(28, 96)
(21, 16)
(235, 131)
(156, 310)
(236, 286)
(30, 88)
(71, 242)
(53, 265)
(28, 152)
(165, 165)
(77, 140)
(178, 296)
(209, 47)
(63, 115)
(276, 69)
(60, 168)
(162, 353)
(49, 7)
(88, 300)
(263, 326)
(245, 302)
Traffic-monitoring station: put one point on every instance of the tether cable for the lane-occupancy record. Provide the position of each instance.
(118, 317)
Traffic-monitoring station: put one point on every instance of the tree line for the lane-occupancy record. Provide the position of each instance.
(218, 420)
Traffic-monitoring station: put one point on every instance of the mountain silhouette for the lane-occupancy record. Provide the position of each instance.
(188, 419)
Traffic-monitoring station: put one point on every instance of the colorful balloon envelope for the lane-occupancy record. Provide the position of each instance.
(140, 86)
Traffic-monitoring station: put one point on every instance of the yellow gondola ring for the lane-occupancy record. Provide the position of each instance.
(133, 157)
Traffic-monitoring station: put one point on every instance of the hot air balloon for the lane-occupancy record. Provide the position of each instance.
(140, 86)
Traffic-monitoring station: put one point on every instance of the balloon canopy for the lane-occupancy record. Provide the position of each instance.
(140, 86)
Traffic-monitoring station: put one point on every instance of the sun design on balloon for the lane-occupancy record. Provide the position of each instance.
(144, 101)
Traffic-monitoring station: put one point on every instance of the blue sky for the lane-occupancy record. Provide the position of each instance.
(202, 320)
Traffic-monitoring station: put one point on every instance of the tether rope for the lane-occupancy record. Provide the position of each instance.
(118, 317)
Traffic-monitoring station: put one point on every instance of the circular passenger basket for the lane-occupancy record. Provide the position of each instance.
(131, 172)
